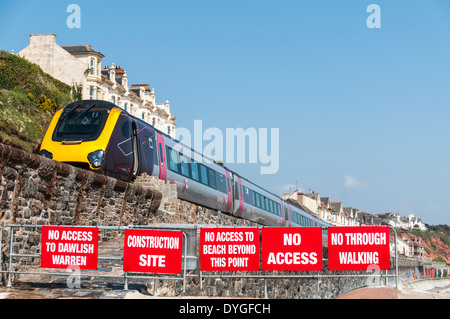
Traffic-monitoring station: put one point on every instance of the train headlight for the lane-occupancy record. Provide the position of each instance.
(45, 153)
(96, 158)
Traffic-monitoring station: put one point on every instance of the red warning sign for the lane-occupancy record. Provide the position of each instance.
(68, 247)
(229, 249)
(153, 251)
(292, 249)
(358, 248)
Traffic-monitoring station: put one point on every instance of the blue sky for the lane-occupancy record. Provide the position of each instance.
(363, 113)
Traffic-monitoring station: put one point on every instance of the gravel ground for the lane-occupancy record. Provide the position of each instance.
(428, 289)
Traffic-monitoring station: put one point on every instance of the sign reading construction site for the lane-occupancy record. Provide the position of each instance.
(229, 249)
(69, 247)
(358, 248)
(292, 249)
(153, 251)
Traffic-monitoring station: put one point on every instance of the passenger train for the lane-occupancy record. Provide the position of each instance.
(100, 136)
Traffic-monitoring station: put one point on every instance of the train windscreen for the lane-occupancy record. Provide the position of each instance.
(82, 125)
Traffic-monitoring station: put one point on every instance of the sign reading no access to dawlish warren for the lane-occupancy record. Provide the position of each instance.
(65, 247)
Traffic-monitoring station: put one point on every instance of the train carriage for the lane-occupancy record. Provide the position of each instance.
(100, 136)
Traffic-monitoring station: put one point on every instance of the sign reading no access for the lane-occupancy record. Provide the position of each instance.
(292, 249)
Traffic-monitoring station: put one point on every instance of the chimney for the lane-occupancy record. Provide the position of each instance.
(42, 39)
(112, 73)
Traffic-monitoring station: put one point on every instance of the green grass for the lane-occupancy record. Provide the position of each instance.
(24, 116)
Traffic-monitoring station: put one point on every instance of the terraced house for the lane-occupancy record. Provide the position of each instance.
(81, 66)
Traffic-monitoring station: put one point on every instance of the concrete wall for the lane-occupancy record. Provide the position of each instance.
(38, 191)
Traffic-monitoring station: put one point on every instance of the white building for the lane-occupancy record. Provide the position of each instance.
(397, 221)
(81, 66)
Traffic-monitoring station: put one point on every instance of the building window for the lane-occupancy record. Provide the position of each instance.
(153, 122)
(126, 106)
(91, 92)
(168, 130)
(143, 115)
(92, 66)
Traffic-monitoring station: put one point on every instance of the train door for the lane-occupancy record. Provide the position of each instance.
(230, 193)
(241, 197)
(135, 145)
(162, 157)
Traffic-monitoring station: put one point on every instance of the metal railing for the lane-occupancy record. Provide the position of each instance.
(126, 276)
(192, 244)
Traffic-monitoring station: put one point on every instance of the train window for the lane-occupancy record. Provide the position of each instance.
(247, 195)
(161, 156)
(194, 171)
(263, 202)
(148, 141)
(258, 203)
(211, 178)
(203, 174)
(221, 183)
(271, 207)
(184, 165)
(267, 205)
(253, 198)
(173, 160)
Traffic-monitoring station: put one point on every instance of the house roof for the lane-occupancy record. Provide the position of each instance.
(81, 49)
(337, 205)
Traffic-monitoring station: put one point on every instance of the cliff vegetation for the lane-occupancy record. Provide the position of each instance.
(29, 98)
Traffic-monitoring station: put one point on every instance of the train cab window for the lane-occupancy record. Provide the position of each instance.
(80, 124)
(184, 165)
(203, 174)
(194, 171)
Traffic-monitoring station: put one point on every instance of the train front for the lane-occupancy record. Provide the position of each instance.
(79, 133)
